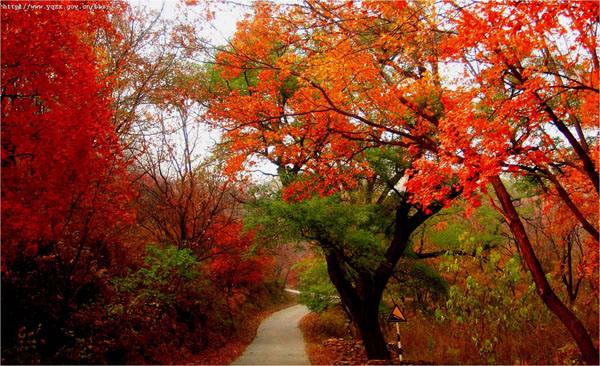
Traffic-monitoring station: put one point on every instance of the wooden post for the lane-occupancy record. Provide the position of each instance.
(399, 343)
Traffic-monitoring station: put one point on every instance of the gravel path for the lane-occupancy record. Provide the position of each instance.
(278, 340)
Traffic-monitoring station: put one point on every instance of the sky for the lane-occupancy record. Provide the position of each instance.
(222, 26)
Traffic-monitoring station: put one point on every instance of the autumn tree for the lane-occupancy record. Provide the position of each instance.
(311, 87)
(141, 56)
(65, 190)
(529, 84)
(277, 114)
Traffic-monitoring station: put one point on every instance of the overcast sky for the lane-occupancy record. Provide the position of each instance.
(222, 27)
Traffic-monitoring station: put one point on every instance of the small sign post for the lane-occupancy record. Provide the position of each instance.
(396, 316)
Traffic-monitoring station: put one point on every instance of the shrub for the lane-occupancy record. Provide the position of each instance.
(153, 313)
(331, 323)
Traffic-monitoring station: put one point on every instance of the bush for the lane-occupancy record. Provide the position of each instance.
(154, 313)
(331, 323)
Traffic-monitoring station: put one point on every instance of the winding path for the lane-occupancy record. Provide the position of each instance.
(278, 340)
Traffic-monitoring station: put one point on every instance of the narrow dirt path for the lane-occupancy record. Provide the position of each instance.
(278, 340)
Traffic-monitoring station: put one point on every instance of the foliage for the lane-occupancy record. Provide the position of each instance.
(65, 187)
(377, 116)
(164, 312)
(65, 184)
(508, 307)
(463, 227)
(163, 268)
(168, 302)
(316, 290)
(361, 227)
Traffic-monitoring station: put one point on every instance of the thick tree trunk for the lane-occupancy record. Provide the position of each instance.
(363, 306)
(567, 317)
(367, 322)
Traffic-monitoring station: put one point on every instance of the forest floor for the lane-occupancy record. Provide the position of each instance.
(278, 340)
(329, 341)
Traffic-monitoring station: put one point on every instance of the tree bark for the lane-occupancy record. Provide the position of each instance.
(367, 322)
(363, 305)
(565, 315)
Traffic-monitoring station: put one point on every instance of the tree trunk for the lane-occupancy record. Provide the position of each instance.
(565, 315)
(362, 303)
(367, 322)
